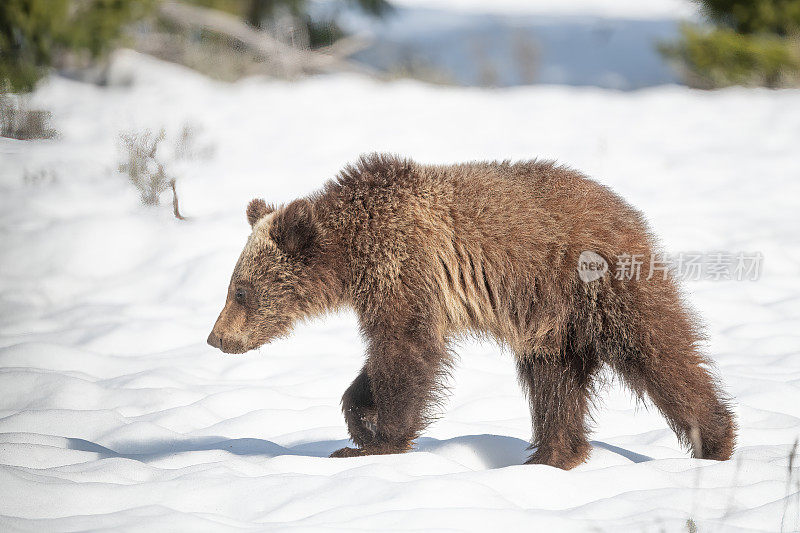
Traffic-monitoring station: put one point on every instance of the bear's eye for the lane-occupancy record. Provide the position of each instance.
(240, 296)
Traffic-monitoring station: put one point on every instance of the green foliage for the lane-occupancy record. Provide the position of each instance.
(375, 7)
(38, 34)
(323, 33)
(723, 57)
(778, 17)
(755, 42)
(34, 34)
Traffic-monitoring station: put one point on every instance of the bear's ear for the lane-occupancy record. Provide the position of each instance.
(293, 229)
(257, 209)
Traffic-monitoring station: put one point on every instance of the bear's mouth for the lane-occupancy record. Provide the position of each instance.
(235, 346)
(228, 345)
(234, 349)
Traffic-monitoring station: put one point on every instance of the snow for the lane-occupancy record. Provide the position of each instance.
(114, 413)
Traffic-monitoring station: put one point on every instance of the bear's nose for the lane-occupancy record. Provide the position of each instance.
(215, 340)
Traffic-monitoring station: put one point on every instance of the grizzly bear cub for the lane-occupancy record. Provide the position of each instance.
(424, 253)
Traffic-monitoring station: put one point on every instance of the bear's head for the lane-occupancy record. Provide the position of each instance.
(273, 283)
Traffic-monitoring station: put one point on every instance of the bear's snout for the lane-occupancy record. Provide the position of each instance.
(228, 333)
(215, 340)
(226, 344)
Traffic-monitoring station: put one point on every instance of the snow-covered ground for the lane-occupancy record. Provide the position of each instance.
(115, 413)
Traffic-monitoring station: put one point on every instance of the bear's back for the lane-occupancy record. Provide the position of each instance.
(476, 239)
(514, 209)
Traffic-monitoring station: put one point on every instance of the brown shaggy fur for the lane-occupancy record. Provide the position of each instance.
(424, 253)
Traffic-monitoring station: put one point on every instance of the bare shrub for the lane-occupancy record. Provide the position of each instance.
(18, 121)
(140, 164)
(150, 161)
(790, 480)
(145, 172)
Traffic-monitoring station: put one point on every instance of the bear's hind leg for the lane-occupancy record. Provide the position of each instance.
(559, 390)
(687, 395)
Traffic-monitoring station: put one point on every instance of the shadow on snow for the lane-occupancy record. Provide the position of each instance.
(495, 451)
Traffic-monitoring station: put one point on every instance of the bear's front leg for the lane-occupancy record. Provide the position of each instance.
(360, 415)
(386, 406)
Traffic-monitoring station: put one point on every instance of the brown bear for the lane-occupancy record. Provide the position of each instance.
(424, 253)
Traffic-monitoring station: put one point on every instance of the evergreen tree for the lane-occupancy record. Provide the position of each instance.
(753, 42)
(34, 34)
(777, 17)
(38, 34)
